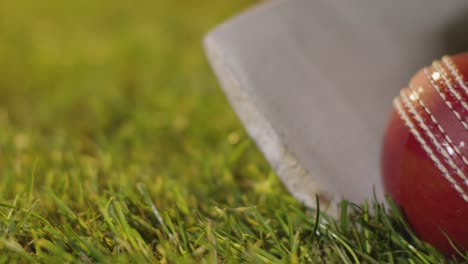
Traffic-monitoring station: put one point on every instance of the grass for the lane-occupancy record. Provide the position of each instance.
(117, 146)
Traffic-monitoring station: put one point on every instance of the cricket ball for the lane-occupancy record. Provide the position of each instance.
(425, 153)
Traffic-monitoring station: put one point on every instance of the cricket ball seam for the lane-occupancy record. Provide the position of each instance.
(429, 133)
(438, 68)
(454, 70)
(406, 119)
(447, 102)
(441, 129)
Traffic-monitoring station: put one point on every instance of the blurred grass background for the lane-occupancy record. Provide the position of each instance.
(117, 145)
(97, 95)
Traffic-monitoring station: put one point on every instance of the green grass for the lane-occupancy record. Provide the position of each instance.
(117, 145)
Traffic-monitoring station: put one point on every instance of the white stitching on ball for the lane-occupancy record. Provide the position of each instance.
(454, 70)
(442, 95)
(438, 164)
(434, 120)
(429, 133)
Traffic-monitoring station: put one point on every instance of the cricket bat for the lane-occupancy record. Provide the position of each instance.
(313, 82)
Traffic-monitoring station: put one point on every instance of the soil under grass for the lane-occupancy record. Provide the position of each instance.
(117, 145)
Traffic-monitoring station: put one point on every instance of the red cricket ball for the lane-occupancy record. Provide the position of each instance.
(425, 153)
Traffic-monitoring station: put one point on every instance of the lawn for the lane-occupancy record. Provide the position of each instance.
(117, 145)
